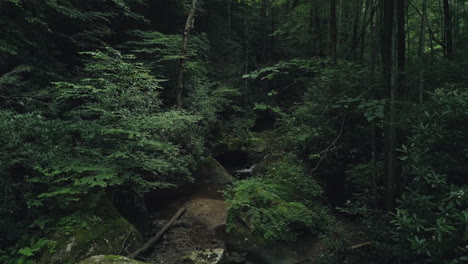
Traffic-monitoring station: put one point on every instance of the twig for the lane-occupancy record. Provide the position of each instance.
(125, 241)
(324, 152)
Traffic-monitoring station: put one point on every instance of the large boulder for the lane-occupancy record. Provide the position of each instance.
(109, 259)
(214, 172)
(98, 231)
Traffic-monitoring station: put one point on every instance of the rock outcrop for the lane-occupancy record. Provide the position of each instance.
(214, 172)
(100, 231)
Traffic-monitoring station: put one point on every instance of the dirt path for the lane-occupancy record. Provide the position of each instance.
(207, 207)
(201, 227)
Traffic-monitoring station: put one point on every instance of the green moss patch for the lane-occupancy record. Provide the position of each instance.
(99, 232)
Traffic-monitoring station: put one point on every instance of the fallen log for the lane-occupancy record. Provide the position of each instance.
(360, 245)
(154, 239)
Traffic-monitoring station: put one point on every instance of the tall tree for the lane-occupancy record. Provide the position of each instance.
(356, 29)
(185, 41)
(448, 28)
(333, 30)
(393, 59)
(421, 46)
(229, 18)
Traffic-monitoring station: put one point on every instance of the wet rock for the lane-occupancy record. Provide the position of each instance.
(110, 259)
(205, 256)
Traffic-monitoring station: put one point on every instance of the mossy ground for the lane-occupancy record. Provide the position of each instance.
(101, 231)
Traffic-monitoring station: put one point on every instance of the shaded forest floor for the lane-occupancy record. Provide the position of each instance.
(203, 227)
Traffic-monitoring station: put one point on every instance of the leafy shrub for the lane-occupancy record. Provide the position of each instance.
(277, 206)
(105, 129)
(431, 219)
(289, 173)
(117, 133)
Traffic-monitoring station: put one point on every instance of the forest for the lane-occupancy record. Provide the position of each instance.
(233, 131)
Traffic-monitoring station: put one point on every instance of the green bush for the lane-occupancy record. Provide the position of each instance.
(431, 220)
(103, 130)
(277, 206)
(291, 175)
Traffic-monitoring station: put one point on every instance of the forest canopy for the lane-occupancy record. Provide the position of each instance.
(349, 111)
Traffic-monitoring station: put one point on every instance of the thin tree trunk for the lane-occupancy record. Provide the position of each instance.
(311, 28)
(429, 28)
(364, 29)
(401, 49)
(390, 58)
(185, 42)
(333, 30)
(272, 39)
(407, 31)
(318, 32)
(373, 129)
(355, 30)
(340, 18)
(448, 28)
(422, 38)
(229, 18)
(246, 55)
(391, 123)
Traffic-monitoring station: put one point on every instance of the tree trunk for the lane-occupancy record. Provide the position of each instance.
(373, 127)
(229, 18)
(355, 31)
(401, 49)
(421, 47)
(448, 28)
(185, 42)
(391, 58)
(265, 37)
(272, 39)
(246, 55)
(338, 30)
(364, 30)
(318, 32)
(333, 30)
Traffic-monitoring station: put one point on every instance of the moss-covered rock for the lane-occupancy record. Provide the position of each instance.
(100, 231)
(266, 207)
(109, 259)
(214, 172)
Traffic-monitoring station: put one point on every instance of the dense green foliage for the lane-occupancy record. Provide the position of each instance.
(279, 205)
(431, 217)
(351, 110)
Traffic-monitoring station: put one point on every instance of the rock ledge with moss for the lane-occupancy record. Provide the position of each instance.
(102, 231)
